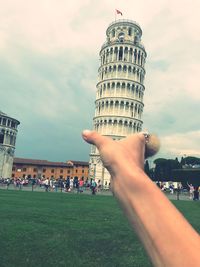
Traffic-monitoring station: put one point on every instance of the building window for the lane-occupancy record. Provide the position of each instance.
(121, 53)
(82, 171)
(13, 169)
(76, 171)
(4, 121)
(129, 31)
(35, 169)
(61, 171)
(125, 68)
(1, 138)
(44, 170)
(68, 171)
(113, 33)
(52, 171)
(24, 169)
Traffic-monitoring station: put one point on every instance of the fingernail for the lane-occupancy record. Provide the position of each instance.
(85, 133)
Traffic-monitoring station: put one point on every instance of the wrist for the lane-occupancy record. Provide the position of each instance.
(131, 178)
(130, 171)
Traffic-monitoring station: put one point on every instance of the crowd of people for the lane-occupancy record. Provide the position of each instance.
(53, 185)
(177, 188)
(79, 186)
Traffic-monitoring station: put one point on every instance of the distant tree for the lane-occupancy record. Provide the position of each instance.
(159, 161)
(182, 161)
(172, 165)
(176, 159)
(192, 160)
(159, 169)
(164, 167)
(158, 173)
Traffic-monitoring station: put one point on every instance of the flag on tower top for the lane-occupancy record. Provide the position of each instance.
(119, 12)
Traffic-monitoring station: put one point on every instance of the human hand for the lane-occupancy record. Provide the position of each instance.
(119, 156)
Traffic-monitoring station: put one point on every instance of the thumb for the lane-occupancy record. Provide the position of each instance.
(95, 138)
(152, 146)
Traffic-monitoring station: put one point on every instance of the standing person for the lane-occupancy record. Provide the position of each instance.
(191, 191)
(71, 184)
(77, 185)
(62, 184)
(7, 183)
(171, 188)
(56, 185)
(67, 184)
(178, 190)
(196, 193)
(33, 183)
(51, 184)
(46, 184)
(169, 242)
(81, 183)
(93, 186)
(99, 185)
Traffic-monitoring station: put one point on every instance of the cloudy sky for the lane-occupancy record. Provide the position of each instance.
(48, 71)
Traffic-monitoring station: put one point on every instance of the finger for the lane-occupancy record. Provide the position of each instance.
(152, 145)
(95, 138)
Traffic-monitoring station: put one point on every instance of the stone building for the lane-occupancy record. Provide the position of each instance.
(35, 168)
(120, 89)
(8, 134)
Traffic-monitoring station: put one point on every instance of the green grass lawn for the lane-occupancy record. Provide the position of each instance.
(49, 229)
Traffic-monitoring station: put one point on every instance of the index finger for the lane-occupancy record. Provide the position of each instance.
(94, 138)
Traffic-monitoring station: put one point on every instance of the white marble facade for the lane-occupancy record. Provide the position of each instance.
(8, 134)
(120, 89)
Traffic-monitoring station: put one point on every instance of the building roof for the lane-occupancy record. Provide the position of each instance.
(75, 162)
(2, 113)
(7, 116)
(40, 162)
(121, 22)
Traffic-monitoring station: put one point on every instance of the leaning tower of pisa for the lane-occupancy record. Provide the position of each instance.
(120, 89)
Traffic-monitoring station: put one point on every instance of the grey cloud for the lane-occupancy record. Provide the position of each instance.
(51, 103)
(180, 114)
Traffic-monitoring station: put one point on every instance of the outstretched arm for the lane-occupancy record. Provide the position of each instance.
(168, 238)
